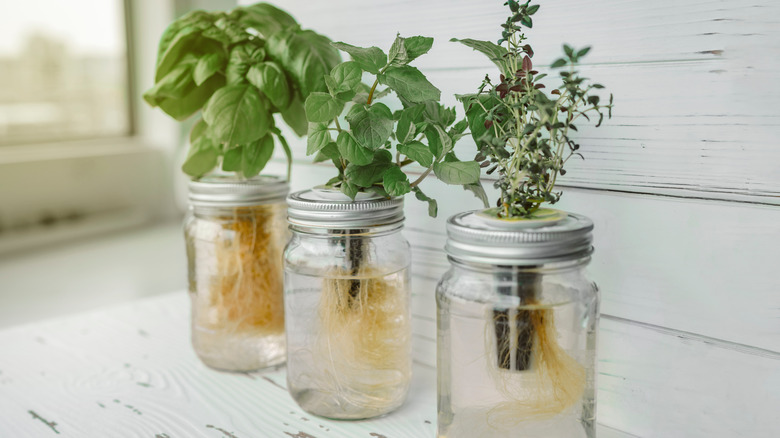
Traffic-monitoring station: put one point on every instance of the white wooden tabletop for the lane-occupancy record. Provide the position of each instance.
(129, 371)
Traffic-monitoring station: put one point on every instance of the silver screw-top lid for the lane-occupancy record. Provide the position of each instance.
(327, 208)
(230, 191)
(474, 238)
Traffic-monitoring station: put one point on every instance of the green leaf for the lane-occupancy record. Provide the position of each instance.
(287, 153)
(532, 9)
(346, 76)
(242, 57)
(560, 62)
(417, 46)
(184, 37)
(438, 141)
(349, 148)
(232, 159)
(295, 116)
(417, 152)
(266, 19)
(366, 176)
(461, 172)
(371, 125)
(396, 182)
(350, 190)
(194, 100)
(493, 51)
(208, 65)
(256, 155)
(568, 50)
(371, 59)
(175, 85)
(198, 129)
(269, 78)
(405, 128)
(236, 115)
(583, 52)
(318, 137)
(397, 54)
(201, 158)
(322, 107)
(306, 56)
(433, 207)
(479, 192)
(477, 116)
(410, 84)
(329, 152)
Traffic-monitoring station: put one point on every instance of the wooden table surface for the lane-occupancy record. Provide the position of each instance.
(129, 371)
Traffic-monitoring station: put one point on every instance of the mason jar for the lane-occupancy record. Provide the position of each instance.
(347, 301)
(517, 321)
(235, 232)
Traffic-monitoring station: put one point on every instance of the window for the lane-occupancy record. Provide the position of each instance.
(63, 70)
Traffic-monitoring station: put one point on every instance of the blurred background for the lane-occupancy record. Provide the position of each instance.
(89, 210)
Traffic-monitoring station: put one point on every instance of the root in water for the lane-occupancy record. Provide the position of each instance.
(551, 381)
(246, 289)
(364, 342)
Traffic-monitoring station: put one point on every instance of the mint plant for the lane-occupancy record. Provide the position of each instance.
(372, 146)
(520, 131)
(240, 68)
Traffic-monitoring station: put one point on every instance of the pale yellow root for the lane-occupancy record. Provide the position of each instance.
(554, 382)
(364, 339)
(247, 288)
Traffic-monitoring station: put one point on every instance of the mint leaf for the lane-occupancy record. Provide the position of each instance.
(256, 155)
(478, 191)
(207, 66)
(410, 84)
(366, 176)
(201, 158)
(397, 54)
(346, 76)
(329, 152)
(371, 125)
(322, 107)
(269, 78)
(231, 160)
(406, 126)
(349, 148)
(461, 172)
(317, 138)
(417, 46)
(438, 141)
(350, 190)
(396, 182)
(417, 152)
(491, 50)
(433, 206)
(236, 115)
(371, 59)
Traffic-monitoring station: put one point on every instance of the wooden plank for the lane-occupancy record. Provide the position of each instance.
(693, 115)
(703, 267)
(130, 371)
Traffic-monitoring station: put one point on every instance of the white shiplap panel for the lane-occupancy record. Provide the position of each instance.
(694, 82)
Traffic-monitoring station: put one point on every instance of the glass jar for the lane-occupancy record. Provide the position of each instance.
(235, 232)
(517, 321)
(347, 301)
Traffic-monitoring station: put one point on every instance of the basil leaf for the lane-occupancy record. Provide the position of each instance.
(491, 50)
(256, 155)
(242, 57)
(295, 116)
(322, 107)
(208, 65)
(371, 125)
(317, 138)
(231, 160)
(305, 55)
(193, 101)
(236, 115)
(349, 148)
(198, 129)
(266, 19)
(371, 59)
(201, 158)
(174, 85)
(416, 46)
(409, 83)
(271, 80)
(396, 182)
(433, 206)
(461, 172)
(182, 37)
(417, 152)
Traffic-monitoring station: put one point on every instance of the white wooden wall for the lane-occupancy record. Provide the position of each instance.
(683, 185)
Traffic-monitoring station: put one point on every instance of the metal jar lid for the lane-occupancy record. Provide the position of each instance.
(327, 208)
(229, 191)
(472, 238)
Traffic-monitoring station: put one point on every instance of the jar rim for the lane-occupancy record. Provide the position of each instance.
(221, 190)
(309, 209)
